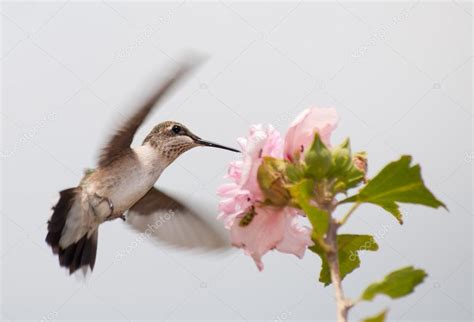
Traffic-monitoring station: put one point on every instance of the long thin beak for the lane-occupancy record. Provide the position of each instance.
(213, 145)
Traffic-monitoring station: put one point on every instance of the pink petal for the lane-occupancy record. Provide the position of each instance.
(270, 229)
(243, 143)
(296, 238)
(301, 133)
(235, 171)
(261, 142)
(261, 235)
(227, 188)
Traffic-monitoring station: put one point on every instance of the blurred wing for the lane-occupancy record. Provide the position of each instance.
(171, 222)
(123, 137)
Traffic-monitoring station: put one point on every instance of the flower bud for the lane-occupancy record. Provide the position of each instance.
(361, 163)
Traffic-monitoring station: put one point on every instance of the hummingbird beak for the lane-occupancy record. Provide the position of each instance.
(202, 142)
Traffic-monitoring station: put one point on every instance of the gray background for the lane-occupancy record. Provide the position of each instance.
(398, 73)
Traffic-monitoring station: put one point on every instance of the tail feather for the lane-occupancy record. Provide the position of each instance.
(58, 219)
(80, 253)
(90, 251)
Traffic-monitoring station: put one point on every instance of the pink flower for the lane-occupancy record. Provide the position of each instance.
(301, 133)
(271, 228)
(245, 191)
(262, 141)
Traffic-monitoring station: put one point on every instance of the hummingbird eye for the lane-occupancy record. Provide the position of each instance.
(176, 129)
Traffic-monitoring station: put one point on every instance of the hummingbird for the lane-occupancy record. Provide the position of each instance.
(123, 180)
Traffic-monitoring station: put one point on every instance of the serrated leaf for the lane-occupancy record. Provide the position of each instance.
(302, 193)
(349, 247)
(396, 284)
(398, 182)
(377, 318)
(393, 208)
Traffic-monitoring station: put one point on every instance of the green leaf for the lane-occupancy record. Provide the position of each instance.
(398, 182)
(302, 193)
(377, 318)
(393, 208)
(349, 247)
(396, 284)
(318, 159)
(271, 179)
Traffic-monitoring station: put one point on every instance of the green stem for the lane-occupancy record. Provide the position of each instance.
(332, 255)
(343, 304)
(349, 213)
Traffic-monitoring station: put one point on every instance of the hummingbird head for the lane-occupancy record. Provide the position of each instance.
(173, 139)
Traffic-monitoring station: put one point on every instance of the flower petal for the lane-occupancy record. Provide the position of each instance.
(296, 238)
(271, 228)
(301, 133)
(261, 235)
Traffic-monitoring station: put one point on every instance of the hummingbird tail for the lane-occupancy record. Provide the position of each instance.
(75, 246)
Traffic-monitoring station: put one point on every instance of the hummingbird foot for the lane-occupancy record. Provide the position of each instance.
(111, 206)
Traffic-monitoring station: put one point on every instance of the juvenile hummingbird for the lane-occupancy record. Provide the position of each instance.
(124, 175)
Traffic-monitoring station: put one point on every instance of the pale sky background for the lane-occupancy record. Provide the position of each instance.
(399, 74)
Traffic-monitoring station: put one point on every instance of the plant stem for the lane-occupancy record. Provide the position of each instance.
(349, 213)
(343, 304)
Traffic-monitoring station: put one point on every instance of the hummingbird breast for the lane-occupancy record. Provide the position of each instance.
(128, 178)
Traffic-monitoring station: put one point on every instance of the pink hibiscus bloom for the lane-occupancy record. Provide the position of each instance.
(271, 228)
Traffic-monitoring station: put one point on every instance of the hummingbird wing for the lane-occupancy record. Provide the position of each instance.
(169, 221)
(123, 137)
